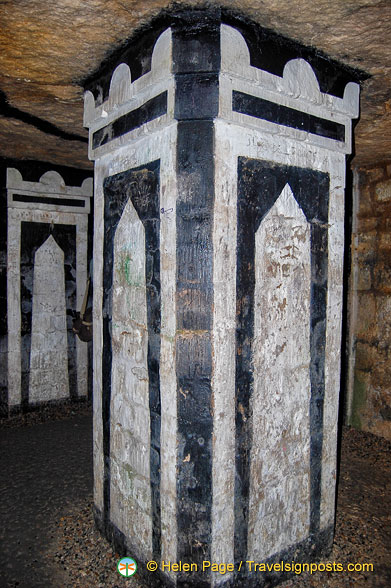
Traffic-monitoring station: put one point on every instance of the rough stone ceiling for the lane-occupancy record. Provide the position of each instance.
(47, 47)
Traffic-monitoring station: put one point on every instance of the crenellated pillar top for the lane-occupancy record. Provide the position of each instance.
(290, 101)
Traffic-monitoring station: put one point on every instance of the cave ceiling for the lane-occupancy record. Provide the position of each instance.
(47, 49)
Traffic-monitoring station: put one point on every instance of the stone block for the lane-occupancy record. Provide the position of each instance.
(367, 225)
(366, 356)
(383, 191)
(384, 239)
(373, 175)
(366, 325)
(383, 305)
(359, 406)
(366, 247)
(380, 377)
(364, 277)
(382, 276)
(365, 204)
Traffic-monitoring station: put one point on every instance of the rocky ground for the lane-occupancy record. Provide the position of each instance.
(80, 557)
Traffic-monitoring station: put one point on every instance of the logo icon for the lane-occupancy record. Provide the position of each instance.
(126, 567)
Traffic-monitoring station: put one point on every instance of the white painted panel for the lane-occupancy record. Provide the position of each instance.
(49, 347)
(333, 342)
(232, 141)
(130, 421)
(137, 153)
(224, 331)
(13, 309)
(168, 383)
(280, 456)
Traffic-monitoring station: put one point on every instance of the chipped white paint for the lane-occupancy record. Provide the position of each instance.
(161, 144)
(50, 185)
(49, 346)
(333, 340)
(14, 317)
(223, 351)
(280, 454)
(298, 79)
(130, 494)
(168, 383)
(232, 141)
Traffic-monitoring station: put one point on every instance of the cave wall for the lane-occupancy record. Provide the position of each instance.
(369, 375)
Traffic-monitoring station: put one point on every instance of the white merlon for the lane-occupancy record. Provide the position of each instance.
(125, 95)
(298, 82)
(50, 184)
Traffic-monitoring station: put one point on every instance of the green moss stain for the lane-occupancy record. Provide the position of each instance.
(126, 269)
(359, 400)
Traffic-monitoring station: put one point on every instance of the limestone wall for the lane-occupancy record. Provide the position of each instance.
(369, 388)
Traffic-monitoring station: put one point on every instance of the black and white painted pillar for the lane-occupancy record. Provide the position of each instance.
(47, 275)
(219, 234)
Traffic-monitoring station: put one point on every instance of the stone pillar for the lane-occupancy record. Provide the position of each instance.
(47, 275)
(219, 233)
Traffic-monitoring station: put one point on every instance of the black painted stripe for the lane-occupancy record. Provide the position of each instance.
(42, 200)
(245, 287)
(148, 111)
(193, 348)
(205, 87)
(141, 185)
(318, 308)
(259, 185)
(196, 59)
(288, 117)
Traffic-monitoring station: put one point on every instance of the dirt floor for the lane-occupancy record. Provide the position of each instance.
(75, 554)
